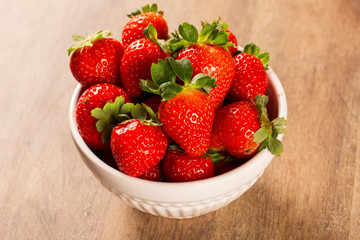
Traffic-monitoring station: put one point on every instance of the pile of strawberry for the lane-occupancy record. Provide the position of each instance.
(178, 108)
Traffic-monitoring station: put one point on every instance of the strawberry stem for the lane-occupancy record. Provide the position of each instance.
(269, 131)
(81, 41)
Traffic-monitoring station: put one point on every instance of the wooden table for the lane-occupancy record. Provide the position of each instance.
(311, 192)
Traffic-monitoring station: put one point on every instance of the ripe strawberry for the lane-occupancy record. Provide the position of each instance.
(138, 144)
(96, 59)
(95, 97)
(181, 167)
(226, 164)
(154, 174)
(137, 60)
(243, 128)
(186, 111)
(250, 74)
(208, 54)
(233, 40)
(140, 19)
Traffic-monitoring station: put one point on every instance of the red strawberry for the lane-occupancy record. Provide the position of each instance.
(250, 76)
(95, 97)
(242, 127)
(133, 30)
(233, 40)
(137, 147)
(96, 59)
(153, 174)
(137, 60)
(186, 111)
(227, 164)
(208, 55)
(181, 167)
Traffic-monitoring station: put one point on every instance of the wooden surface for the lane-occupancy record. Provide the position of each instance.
(311, 192)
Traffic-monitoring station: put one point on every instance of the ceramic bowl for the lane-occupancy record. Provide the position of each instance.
(188, 199)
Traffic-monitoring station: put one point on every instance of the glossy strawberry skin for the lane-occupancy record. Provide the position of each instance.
(233, 40)
(250, 78)
(215, 61)
(98, 63)
(154, 174)
(133, 30)
(137, 147)
(235, 125)
(95, 97)
(136, 65)
(181, 167)
(187, 118)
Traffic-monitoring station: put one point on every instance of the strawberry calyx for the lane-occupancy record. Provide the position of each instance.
(187, 35)
(82, 41)
(117, 112)
(144, 9)
(214, 156)
(254, 50)
(165, 73)
(151, 34)
(269, 131)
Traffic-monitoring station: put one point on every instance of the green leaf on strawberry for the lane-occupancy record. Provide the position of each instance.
(253, 49)
(114, 113)
(144, 9)
(164, 76)
(82, 41)
(269, 131)
(187, 34)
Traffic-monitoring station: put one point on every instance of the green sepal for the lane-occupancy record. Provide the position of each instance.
(164, 75)
(150, 33)
(108, 117)
(214, 156)
(81, 41)
(149, 86)
(181, 68)
(126, 108)
(151, 113)
(206, 31)
(162, 72)
(204, 82)
(254, 50)
(188, 32)
(139, 112)
(144, 9)
(169, 90)
(122, 117)
(269, 131)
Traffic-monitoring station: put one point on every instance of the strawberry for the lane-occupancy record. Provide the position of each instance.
(140, 19)
(250, 74)
(137, 60)
(232, 39)
(242, 128)
(95, 97)
(138, 144)
(226, 164)
(186, 111)
(96, 59)
(154, 174)
(153, 102)
(208, 54)
(181, 167)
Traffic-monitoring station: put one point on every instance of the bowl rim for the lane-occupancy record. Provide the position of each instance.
(253, 162)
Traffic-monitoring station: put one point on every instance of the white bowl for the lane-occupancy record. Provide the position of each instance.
(188, 199)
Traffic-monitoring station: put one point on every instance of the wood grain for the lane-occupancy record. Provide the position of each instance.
(311, 192)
